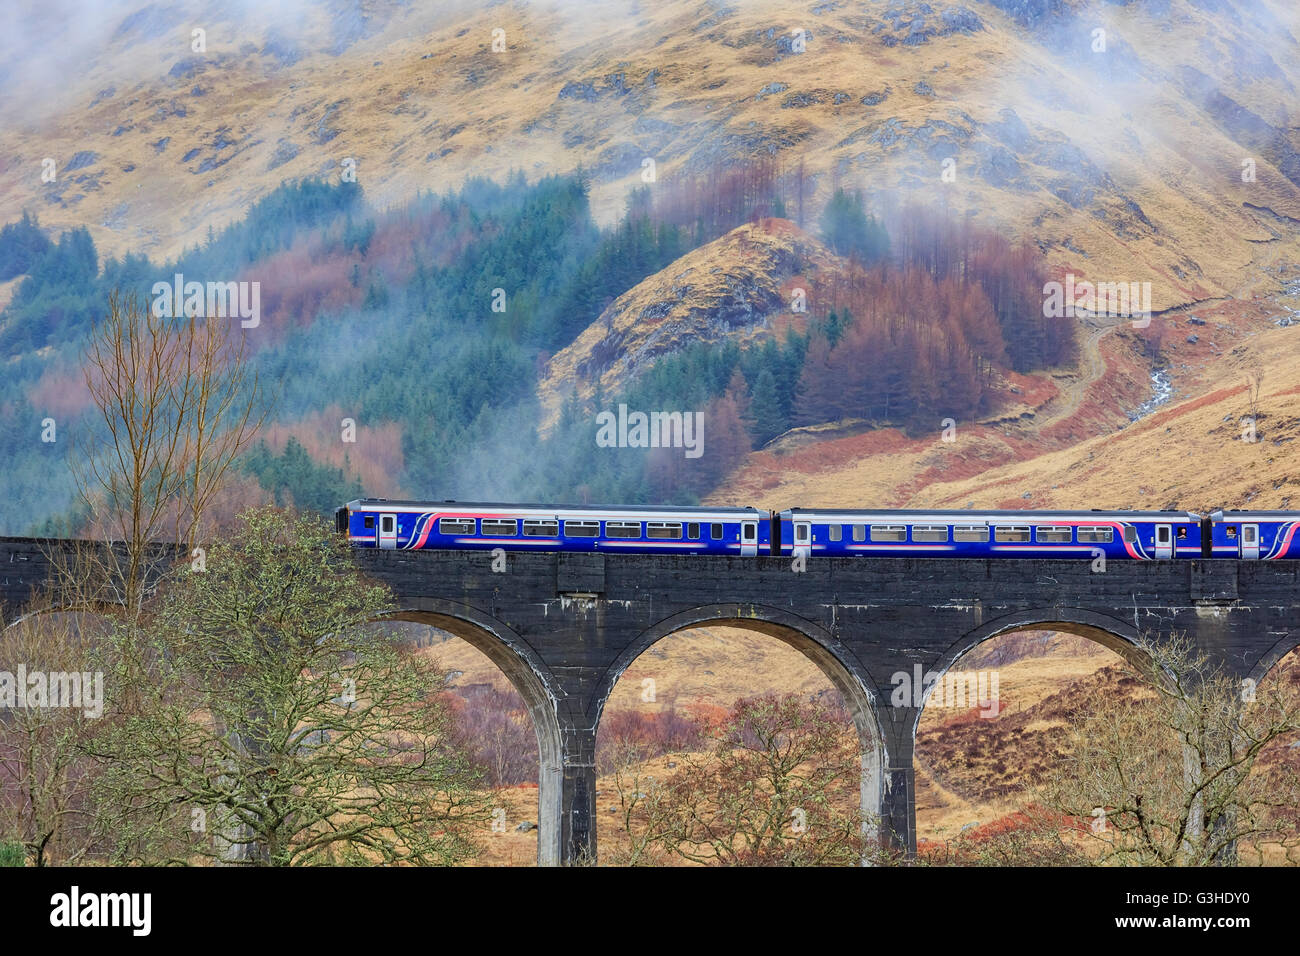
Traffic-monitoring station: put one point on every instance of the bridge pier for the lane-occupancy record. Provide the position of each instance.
(898, 796)
(578, 796)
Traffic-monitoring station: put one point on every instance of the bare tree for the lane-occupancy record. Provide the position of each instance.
(779, 785)
(45, 773)
(1254, 385)
(278, 730)
(176, 402)
(1192, 773)
(645, 815)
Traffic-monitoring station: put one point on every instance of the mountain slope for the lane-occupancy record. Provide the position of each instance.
(1125, 164)
(1226, 366)
(738, 288)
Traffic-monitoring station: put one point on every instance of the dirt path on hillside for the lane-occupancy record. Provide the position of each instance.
(1265, 258)
(1271, 252)
(943, 801)
(1092, 365)
(1074, 385)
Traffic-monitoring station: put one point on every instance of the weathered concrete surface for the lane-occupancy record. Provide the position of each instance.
(564, 627)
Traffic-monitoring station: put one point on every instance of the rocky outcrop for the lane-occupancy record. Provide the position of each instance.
(738, 286)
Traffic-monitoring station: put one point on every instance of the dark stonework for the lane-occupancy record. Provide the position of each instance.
(564, 627)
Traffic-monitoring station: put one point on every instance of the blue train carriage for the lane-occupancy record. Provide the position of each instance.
(1254, 535)
(461, 525)
(1119, 535)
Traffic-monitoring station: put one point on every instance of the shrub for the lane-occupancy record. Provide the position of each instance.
(11, 853)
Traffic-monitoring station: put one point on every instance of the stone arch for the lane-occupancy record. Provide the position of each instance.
(1272, 657)
(1110, 632)
(533, 681)
(840, 665)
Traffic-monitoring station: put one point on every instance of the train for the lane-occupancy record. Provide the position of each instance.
(820, 532)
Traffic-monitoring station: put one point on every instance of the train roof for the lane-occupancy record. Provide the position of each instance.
(994, 515)
(912, 514)
(380, 503)
(1237, 515)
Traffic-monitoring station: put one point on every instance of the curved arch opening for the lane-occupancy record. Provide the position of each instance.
(1110, 633)
(1276, 682)
(481, 650)
(996, 714)
(680, 681)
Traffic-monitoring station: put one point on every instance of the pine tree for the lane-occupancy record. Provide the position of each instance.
(738, 394)
(851, 232)
(833, 328)
(765, 407)
(570, 411)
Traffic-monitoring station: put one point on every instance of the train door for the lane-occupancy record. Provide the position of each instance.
(1164, 541)
(748, 539)
(388, 531)
(803, 537)
(1250, 541)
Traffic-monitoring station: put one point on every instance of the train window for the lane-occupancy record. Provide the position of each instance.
(500, 527)
(622, 529)
(715, 531)
(980, 534)
(801, 533)
(663, 529)
(1018, 533)
(924, 532)
(1096, 535)
(888, 532)
(582, 529)
(859, 532)
(1130, 534)
(370, 521)
(386, 524)
(455, 525)
(541, 528)
(1053, 535)
(693, 530)
(835, 531)
(1232, 531)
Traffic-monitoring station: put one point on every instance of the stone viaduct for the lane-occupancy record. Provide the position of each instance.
(563, 627)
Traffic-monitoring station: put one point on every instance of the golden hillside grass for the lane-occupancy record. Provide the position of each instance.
(1191, 455)
(423, 102)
